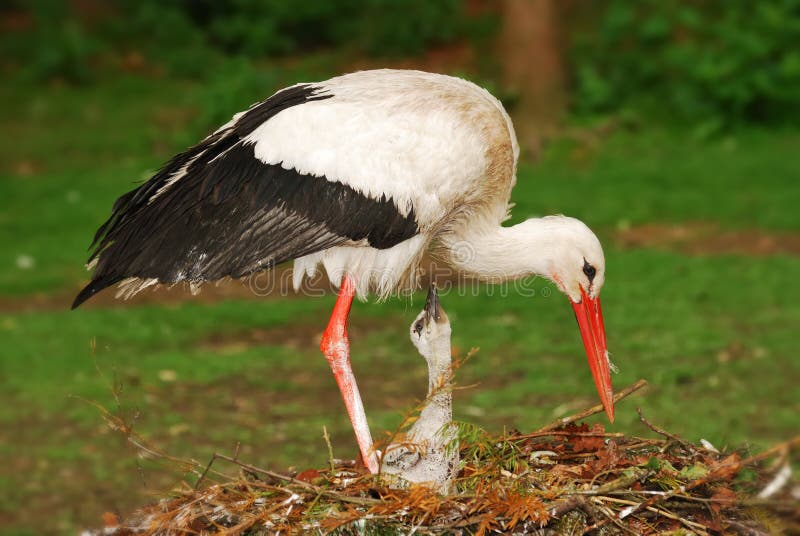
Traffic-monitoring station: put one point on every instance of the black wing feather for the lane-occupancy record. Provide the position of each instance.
(231, 214)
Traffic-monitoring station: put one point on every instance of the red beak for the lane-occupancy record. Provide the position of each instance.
(593, 332)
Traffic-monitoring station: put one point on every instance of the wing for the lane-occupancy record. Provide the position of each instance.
(431, 142)
(216, 210)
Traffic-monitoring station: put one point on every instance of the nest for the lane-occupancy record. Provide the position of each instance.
(566, 478)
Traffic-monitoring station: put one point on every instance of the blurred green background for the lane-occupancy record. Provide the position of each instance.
(669, 127)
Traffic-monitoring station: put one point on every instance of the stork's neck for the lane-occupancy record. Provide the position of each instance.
(495, 253)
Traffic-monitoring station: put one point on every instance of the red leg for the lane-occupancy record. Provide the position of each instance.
(336, 347)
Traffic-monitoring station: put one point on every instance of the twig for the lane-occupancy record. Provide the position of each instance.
(560, 433)
(661, 431)
(611, 517)
(594, 409)
(267, 472)
(211, 462)
(300, 483)
(567, 505)
(623, 481)
(778, 481)
(741, 528)
(330, 449)
(205, 471)
(661, 512)
(118, 424)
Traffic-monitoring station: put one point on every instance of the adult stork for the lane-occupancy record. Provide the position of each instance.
(361, 174)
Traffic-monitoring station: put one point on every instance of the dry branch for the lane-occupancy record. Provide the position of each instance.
(594, 409)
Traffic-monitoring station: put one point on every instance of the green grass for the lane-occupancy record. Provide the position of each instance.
(746, 179)
(714, 334)
(83, 152)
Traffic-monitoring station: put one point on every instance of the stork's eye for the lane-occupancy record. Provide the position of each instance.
(418, 327)
(589, 270)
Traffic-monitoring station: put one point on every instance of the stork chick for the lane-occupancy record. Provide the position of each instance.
(430, 454)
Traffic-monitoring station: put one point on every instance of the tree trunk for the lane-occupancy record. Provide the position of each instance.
(530, 47)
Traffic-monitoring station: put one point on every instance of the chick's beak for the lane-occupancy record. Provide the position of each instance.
(433, 309)
(593, 332)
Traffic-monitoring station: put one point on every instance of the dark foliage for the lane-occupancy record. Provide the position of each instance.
(714, 61)
(185, 36)
(381, 27)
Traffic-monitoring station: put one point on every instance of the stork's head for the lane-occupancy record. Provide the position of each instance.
(573, 259)
(430, 331)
